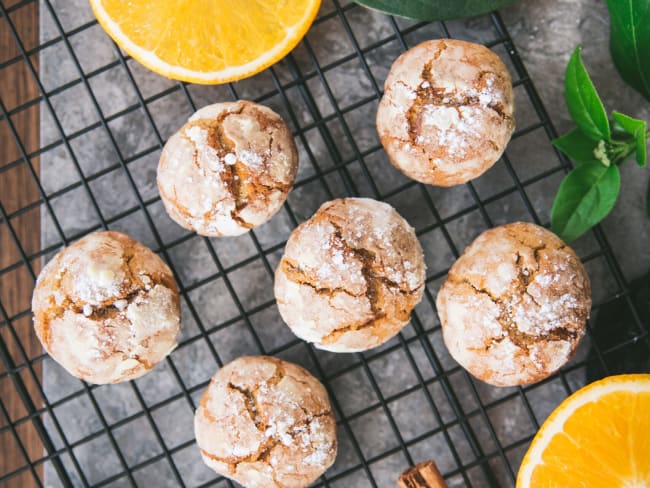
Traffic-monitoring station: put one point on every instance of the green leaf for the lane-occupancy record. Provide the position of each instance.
(583, 101)
(636, 128)
(641, 150)
(434, 9)
(629, 124)
(630, 41)
(576, 145)
(584, 198)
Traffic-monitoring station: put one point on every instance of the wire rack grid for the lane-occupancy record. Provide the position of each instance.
(396, 405)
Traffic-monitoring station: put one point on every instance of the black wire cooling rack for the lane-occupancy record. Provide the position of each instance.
(399, 404)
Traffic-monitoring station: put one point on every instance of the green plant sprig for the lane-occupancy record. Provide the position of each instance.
(630, 42)
(599, 146)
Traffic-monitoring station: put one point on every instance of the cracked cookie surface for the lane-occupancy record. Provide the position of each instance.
(350, 276)
(228, 169)
(514, 306)
(266, 423)
(106, 308)
(446, 115)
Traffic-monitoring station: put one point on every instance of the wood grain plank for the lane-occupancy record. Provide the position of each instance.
(16, 191)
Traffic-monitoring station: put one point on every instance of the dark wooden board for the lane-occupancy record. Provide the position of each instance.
(17, 190)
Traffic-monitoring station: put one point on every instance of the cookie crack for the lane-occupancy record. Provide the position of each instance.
(373, 291)
(508, 324)
(339, 331)
(278, 374)
(105, 310)
(294, 273)
(326, 413)
(536, 248)
(430, 94)
(275, 480)
(373, 280)
(235, 174)
(264, 450)
(525, 276)
(262, 454)
(442, 97)
(250, 402)
(426, 74)
(483, 291)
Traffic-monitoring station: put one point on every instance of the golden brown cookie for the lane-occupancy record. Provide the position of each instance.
(266, 423)
(515, 305)
(228, 169)
(447, 111)
(106, 308)
(350, 275)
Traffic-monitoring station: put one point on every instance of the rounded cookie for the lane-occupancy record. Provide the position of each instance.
(514, 306)
(106, 308)
(266, 423)
(446, 115)
(350, 276)
(228, 169)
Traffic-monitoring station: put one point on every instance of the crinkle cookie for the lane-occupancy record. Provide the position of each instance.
(106, 308)
(515, 305)
(447, 111)
(228, 169)
(350, 275)
(266, 423)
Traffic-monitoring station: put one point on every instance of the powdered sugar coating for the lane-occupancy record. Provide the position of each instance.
(266, 423)
(515, 304)
(228, 169)
(106, 308)
(447, 111)
(350, 275)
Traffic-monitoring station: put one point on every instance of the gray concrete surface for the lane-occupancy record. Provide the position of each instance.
(544, 31)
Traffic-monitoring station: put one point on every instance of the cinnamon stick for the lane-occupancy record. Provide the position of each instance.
(422, 475)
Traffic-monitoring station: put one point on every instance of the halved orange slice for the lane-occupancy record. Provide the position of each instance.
(206, 41)
(599, 437)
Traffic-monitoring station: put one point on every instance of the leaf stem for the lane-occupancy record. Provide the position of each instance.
(619, 143)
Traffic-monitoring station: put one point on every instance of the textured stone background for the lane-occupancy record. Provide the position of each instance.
(544, 31)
